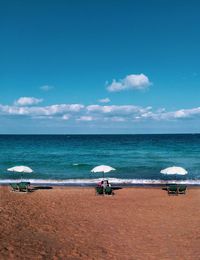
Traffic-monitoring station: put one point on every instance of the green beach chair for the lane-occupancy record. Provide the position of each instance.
(108, 191)
(99, 190)
(182, 189)
(172, 189)
(24, 186)
(14, 186)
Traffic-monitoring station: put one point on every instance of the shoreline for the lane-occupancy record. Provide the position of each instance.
(145, 186)
(93, 182)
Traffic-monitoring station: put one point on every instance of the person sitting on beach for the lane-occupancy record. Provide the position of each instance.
(106, 184)
(100, 184)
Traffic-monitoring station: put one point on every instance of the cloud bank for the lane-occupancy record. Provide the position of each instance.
(28, 107)
(133, 81)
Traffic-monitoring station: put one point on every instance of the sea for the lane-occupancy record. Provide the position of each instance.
(69, 159)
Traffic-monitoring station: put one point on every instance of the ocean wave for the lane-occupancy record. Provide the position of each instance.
(114, 181)
(81, 165)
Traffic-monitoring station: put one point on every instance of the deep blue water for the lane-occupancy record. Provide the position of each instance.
(70, 158)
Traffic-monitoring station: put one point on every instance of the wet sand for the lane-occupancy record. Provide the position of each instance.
(74, 223)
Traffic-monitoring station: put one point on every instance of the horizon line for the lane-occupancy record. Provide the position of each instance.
(105, 134)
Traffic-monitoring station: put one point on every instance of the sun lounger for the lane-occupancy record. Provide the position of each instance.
(108, 191)
(99, 190)
(172, 189)
(24, 186)
(21, 186)
(14, 186)
(182, 189)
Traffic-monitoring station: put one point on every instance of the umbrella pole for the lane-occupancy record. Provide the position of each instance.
(103, 185)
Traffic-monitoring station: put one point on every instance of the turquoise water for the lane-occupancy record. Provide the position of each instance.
(68, 159)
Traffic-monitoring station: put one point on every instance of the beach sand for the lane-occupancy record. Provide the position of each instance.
(74, 223)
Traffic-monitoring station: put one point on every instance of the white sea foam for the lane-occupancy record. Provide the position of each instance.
(114, 181)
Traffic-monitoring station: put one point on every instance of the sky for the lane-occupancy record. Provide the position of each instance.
(99, 67)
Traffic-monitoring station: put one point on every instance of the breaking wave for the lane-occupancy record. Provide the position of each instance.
(92, 182)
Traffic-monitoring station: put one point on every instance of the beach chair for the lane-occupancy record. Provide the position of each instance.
(14, 186)
(24, 186)
(172, 189)
(99, 190)
(182, 189)
(108, 191)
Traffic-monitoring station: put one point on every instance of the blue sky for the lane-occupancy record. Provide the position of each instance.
(99, 66)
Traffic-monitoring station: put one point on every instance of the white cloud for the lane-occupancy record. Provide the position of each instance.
(116, 113)
(104, 100)
(66, 117)
(183, 113)
(162, 114)
(85, 118)
(53, 110)
(28, 101)
(133, 81)
(46, 87)
(114, 109)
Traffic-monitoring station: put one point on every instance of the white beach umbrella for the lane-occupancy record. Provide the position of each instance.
(103, 169)
(22, 169)
(174, 170)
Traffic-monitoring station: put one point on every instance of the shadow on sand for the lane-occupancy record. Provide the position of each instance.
(42, 188)
(116, 188)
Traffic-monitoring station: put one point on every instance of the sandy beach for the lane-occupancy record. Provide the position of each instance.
(74, 223)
